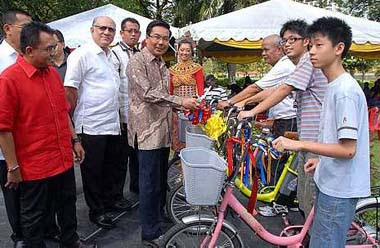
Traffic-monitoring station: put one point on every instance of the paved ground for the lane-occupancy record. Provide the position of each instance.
(127, 232)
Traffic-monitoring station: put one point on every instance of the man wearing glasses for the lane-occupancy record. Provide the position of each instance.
(38, 139)
(92, 88)
(310, 86)
(149, 116)
(122, 52)
(13, 21)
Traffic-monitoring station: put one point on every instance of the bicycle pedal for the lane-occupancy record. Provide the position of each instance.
(280, 209)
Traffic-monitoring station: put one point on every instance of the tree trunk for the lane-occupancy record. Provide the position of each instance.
(231, 69)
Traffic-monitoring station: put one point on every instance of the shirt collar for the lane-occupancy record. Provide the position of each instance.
(28, 68)
(150, 57)
(125, 46)
(95, 48)
(65, 56)
(8, 49)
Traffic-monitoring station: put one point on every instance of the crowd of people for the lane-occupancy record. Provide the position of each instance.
(114, 110)
(372, 94)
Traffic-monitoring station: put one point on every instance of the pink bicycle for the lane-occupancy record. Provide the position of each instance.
(215, 231)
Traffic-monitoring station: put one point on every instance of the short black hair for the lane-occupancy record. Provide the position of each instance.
(157, 23)
(30, 34)
(59, 35)
(210, 77)
(298, 26)
(129, 19)
(9, 16)
(335, 29)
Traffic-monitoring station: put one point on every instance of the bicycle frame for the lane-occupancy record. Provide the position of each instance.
(271, 196)
(294, 241)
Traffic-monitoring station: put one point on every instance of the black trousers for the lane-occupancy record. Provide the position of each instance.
(99, 171)
(12, 203)
(153, 183)
(280, 126)
(129, 160)
(35, 199)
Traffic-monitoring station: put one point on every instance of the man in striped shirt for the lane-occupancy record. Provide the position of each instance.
(310, 85)
(217, 92)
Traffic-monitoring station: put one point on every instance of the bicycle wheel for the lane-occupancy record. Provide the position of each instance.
(193, 234)
(175, 176)
(178, 208)
(365, 217)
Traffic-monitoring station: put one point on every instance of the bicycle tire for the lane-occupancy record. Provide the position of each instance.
(191, 236)
(177, 207)
(364, 216)
(175, 176)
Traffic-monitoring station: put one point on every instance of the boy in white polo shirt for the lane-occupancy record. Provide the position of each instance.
(342, 172)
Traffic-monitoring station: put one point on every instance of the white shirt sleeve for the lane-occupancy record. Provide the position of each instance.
(75, 69)
(347, 113)
(277, 75)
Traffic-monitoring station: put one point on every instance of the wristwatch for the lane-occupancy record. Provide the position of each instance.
(76, 140)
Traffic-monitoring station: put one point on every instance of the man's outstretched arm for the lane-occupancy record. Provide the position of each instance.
(278, 95)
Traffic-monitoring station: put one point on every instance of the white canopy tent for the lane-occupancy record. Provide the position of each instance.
(76, 28)
(245, 28)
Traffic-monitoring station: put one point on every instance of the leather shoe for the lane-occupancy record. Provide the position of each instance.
(121, 205)
(20, 244)
(103, 221)
(80, 244)
(151, 243)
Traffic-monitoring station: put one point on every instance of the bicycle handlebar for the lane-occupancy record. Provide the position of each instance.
(243, 123)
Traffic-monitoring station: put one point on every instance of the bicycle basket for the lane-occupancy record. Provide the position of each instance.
(204, 174)
(196, 137)
(183, 122)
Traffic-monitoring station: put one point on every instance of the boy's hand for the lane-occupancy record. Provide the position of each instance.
(284, 144)
(245, 114)
(310, 166)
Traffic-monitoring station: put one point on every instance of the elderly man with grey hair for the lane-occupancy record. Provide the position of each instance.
(92, 88)
(284, 113)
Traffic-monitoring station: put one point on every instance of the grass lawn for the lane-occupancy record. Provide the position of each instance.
(375, 161)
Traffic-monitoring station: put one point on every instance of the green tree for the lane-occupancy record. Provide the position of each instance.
(355, 64)
(50, 10)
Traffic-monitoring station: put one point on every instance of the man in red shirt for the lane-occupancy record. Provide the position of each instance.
(36, 138)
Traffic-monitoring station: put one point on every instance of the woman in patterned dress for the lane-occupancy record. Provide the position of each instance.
(186, 80)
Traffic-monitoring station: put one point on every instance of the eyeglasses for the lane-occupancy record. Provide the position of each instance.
(18, 26)
(290, 40)
(50, 48)
(157, 38)
(131, 31)
(104, 28)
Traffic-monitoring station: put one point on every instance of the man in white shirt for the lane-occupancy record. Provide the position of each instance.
(92, 88)
(121, 53)
(13, 21)
(284, 112)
